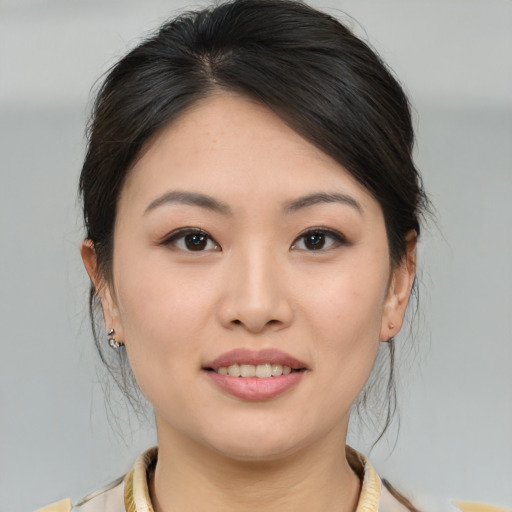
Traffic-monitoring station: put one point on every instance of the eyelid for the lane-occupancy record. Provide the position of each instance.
(175, 235)
(338, 237)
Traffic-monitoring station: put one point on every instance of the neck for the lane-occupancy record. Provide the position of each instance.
(189, 476)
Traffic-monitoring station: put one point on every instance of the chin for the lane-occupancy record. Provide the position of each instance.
(258, 445)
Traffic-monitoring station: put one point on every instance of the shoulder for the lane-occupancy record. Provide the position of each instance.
(107, 499)
(126, 493)
(58, 506)
(376, 495)
(391, 501)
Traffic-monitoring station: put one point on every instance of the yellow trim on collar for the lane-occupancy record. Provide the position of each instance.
(58, 506)
(470, 506)
(369, 498)
(136, 492)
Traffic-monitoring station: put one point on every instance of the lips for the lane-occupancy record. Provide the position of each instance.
(251, 375)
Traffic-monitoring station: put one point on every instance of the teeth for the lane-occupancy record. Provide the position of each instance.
(276, 370)
(234, 370)
(247, 370)
(262, 371)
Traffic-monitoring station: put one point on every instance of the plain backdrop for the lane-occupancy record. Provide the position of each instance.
(57, 436)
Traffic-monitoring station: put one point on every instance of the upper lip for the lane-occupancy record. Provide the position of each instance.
(247, 356)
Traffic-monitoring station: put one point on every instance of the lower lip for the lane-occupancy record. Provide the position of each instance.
(253, 388)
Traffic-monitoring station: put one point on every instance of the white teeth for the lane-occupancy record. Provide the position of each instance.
(247, 370)
(234, 370)
(262, 371)
(277, 370)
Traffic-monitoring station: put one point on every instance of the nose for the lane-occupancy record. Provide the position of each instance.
(256, 296)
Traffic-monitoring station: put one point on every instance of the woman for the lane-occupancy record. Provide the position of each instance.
(252, 212)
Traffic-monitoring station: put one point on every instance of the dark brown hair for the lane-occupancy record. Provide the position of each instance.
(323, 81)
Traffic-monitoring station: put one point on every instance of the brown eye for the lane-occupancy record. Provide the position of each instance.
(318, 239)
(191, 240)
(314, 241)
(196, 242)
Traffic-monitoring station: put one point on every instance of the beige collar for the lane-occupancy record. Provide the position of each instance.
(136, 492)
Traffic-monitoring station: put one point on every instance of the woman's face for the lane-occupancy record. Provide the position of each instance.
(240, 247)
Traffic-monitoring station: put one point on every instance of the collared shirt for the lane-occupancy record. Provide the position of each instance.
(131, 493)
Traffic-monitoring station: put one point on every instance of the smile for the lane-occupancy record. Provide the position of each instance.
(255, 375)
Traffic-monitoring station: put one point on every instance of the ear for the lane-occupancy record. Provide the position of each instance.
(103, 289)
(399, 290)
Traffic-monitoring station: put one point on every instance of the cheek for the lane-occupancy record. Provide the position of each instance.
(345, 312)
(162, 313)
(153, 293)
(349, 299)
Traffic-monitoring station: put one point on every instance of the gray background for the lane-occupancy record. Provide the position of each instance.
(455, 56)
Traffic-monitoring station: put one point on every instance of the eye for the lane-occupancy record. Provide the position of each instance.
(316, 239)
(191, 240)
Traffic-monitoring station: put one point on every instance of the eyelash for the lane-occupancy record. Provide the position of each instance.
(173, 239)
(180, 234)
(336, 237)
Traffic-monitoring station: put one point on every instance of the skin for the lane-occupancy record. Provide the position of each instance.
(255, 285)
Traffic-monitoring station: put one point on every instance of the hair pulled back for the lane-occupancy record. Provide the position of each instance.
(323, 81)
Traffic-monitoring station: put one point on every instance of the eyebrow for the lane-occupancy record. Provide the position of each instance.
(190, 198)
(322, 198)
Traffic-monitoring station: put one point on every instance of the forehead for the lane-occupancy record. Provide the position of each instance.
(228, 144)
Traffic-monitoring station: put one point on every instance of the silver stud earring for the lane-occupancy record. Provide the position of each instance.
(111, 340)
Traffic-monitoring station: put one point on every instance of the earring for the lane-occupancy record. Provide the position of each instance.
(111, 340)
(391, 326)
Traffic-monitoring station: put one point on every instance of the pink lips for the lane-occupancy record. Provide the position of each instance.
(254, 388)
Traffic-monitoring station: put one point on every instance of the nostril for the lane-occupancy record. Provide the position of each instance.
(270, 322)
